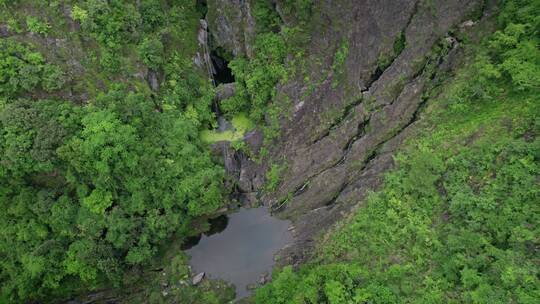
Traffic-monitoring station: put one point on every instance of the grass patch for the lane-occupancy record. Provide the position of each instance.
(241, 124)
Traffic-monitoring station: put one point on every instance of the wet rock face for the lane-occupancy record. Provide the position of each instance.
(245, 176)
(232, 26)
(343, 135)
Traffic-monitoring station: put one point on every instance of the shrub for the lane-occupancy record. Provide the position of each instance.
(37, 26)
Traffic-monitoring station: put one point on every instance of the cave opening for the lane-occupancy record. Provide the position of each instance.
(202, 7)
(222, 72)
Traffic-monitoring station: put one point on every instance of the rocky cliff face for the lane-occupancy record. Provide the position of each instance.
(232, 26)
(342, 133)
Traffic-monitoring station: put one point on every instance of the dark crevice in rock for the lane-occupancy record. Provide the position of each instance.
(202, 7)
(361, 131)
(301, 189)
(331, 203)
(379, 71)
(374, 77)
(339, 120)
(414, 116)
(222, 73)
(411, 17)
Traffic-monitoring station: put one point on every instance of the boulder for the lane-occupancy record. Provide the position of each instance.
(225, 90)
(197, 278)
(264, 278)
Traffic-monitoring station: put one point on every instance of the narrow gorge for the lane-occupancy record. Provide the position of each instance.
(270, 151)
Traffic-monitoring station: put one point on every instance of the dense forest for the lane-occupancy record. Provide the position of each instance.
(106, 160)
(97, 170)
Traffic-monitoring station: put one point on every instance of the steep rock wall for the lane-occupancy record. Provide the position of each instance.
(342, 136)
(232, 26)
(347, 120)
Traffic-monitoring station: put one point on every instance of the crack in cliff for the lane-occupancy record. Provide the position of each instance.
(346, 112)
(373, 78)
(411, 17)
(425, 71)
(376, 151)
(361, 131)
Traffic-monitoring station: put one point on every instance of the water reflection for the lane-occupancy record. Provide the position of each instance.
(217, 225)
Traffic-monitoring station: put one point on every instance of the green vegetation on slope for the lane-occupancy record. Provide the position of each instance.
(90, 192)
(457, 220)
(103, 141)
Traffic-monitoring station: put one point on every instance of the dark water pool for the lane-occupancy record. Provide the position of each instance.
(242, 251)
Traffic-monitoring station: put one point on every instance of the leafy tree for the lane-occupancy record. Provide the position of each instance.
(151, 52)
(37, 26)
(23, 70)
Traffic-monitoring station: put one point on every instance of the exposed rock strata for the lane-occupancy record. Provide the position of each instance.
(342, 135)
(334, 166)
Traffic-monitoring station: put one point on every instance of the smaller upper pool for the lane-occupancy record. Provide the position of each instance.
(242, 251)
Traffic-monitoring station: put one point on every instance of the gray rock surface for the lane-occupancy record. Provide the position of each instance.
(225, 90)
(342, 136)
(198, 278)
(232, 26)
(4, 31)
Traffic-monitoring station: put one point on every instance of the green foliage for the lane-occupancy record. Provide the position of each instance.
(339, 61)
(37, 26)
(151, 52)
(23, 70)
(385, 60)
(267, 19)
(513, 50)
(333, 283)
(399, 44)
(273, 176)
(341, 56)
(94, 187)
(153, 16)
(79, 14)
(111, 23)
(186, 90)
(256, 79)
(104, 185)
